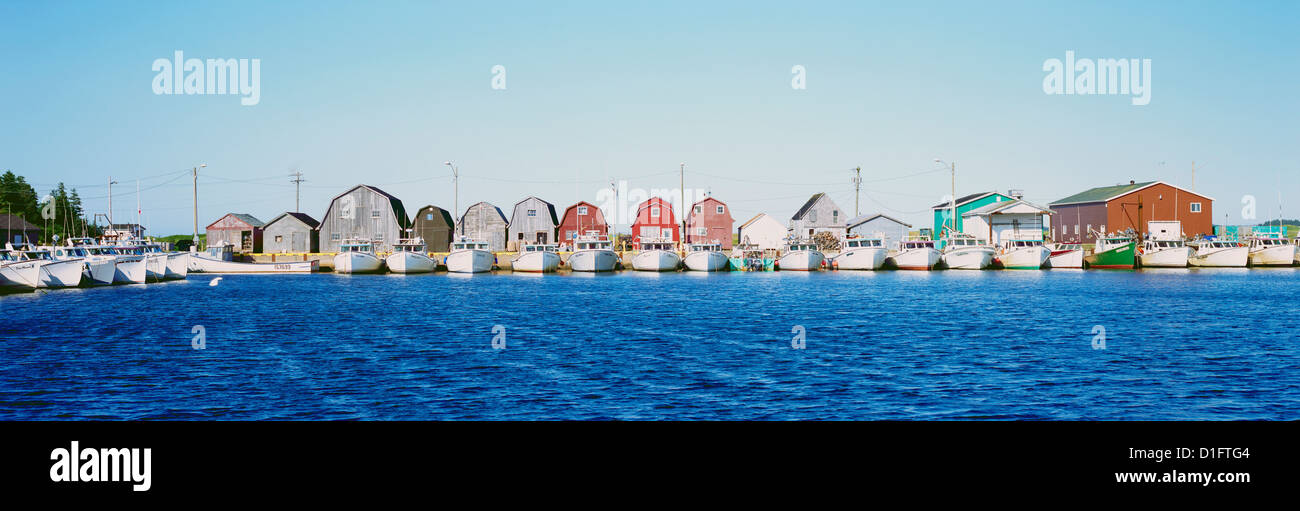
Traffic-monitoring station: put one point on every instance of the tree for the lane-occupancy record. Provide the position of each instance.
(18, 198)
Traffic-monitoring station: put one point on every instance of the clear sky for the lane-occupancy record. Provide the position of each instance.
(383, 92)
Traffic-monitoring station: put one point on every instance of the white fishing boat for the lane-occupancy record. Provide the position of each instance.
(592, 252)
(916, 253)
(705, 257)
(536, 258)
(1065, 255)
(800, 255)
(656, 254)
(408, 257)
(860, 253)
(963, 251)
(203, 264)
(357, 256)
(18, 275)
(1164, 254)
(1219, 253)
(1023, 254)
(1271, 249)
(97, 267)
(130, 267)
(174, 265)
(470, 256)
(53, 273)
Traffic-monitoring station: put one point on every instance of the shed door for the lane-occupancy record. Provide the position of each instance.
(541, 236)
(296, 242)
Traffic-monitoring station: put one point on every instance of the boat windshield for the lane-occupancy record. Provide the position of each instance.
(469, 245)
(38, 255)
(912, 245)
(1026, 243)
(356, 247)
(706, 248)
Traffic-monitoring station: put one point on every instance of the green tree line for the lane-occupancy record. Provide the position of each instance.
(17, 197)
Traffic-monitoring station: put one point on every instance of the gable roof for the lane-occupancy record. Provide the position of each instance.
(16, 223)
(757, 218)
(862, 219)
(803, 210)
(1102, 193)
(301, 217)
(398, 209)
(246, 218)
(500, 213)
(549, 207)
(997, 207)
(963, 200)
(582, 203)
(444, 214)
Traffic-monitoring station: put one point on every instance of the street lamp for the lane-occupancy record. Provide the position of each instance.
(195, 241)
(455, 179)
(952, 198)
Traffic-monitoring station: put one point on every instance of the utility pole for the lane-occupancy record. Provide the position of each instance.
(195, 241)
(138, 210)
(110, 201)
(953, 200)
(297, 194)
(1193, 188)
(682, 184)
(455, 179)
(857, 189)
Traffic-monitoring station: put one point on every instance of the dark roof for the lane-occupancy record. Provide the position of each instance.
(807, 206)
(248, 219)
(302, 217)
(398, 209)
(963, 200)
(16, 223)
(442, 213)
(555, 220)
(500, 213)
(1101, 193)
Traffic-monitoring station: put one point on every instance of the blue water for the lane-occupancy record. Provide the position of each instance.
(1179, 344)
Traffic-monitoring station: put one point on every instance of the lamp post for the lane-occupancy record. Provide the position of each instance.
(455, 180)
(952, 201)
(111, 182)
(195, 241)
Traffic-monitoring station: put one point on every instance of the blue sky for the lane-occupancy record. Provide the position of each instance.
(384, 93)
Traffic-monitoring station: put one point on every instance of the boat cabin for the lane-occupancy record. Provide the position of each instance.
(544, 247)
(469, 245)
(592, 240)
(1268, 241)
(800, 246)
(1023, 243)
(963, 240)
(705, 247)
(915, 244)
(1163, 244)
(648, 244)
(409, 245)
(355, 245)
(864, 243)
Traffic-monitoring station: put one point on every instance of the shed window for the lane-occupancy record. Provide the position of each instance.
(379, 237)
(702, 231)
(812, 216)
(720, 210)
(531, 213)
(1196, 207)
(699, 209)
(279, 239)
(835, 216)
(374, 213)
(654, 212)
(582, 210)
(334, 236)
(428, 216)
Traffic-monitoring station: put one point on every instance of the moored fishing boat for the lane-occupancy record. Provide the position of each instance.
(800, 255)
(1115, 251)
(1022, 253)
(174, 265)
(1164, 254)
(203, 264)
(705, 257)
(536, 258)
(18, 275)
(749, 257)
(97, 267)
(916, 253)
(357, 256)
(408, 257)
(592, 252)
(861, 253)
(1271, 249)
(53, 273)
(1065, 255)
(656, 254)
(1219, 253)
(470, 256)
(129, 267)
(965, 252)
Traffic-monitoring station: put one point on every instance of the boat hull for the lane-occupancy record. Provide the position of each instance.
(1167, 258)
(801, 260)
(410, 262)
(1121, 257)
(706, 261)
(57, 274)
(357, 262)
(862, 259)
(593, 260)
(24, 275)
(99, 272)
(1233, 257)
(470, 261)
(1024, 258)
(155, 267)
(200, 264)
(536, 262)
(968, 258)
(1283, 255)
(917, 259)
(130, 270)
(1066, 259)
(178, 265)
(656, 260)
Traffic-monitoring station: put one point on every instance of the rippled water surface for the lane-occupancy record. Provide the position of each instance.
(1179, 344)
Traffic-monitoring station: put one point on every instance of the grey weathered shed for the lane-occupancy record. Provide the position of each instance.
(435, 225)
(533, 221)
(891, 229)
(485, 222)
(240, 230)
(291, 233)
(817, 215)
(363, 212)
